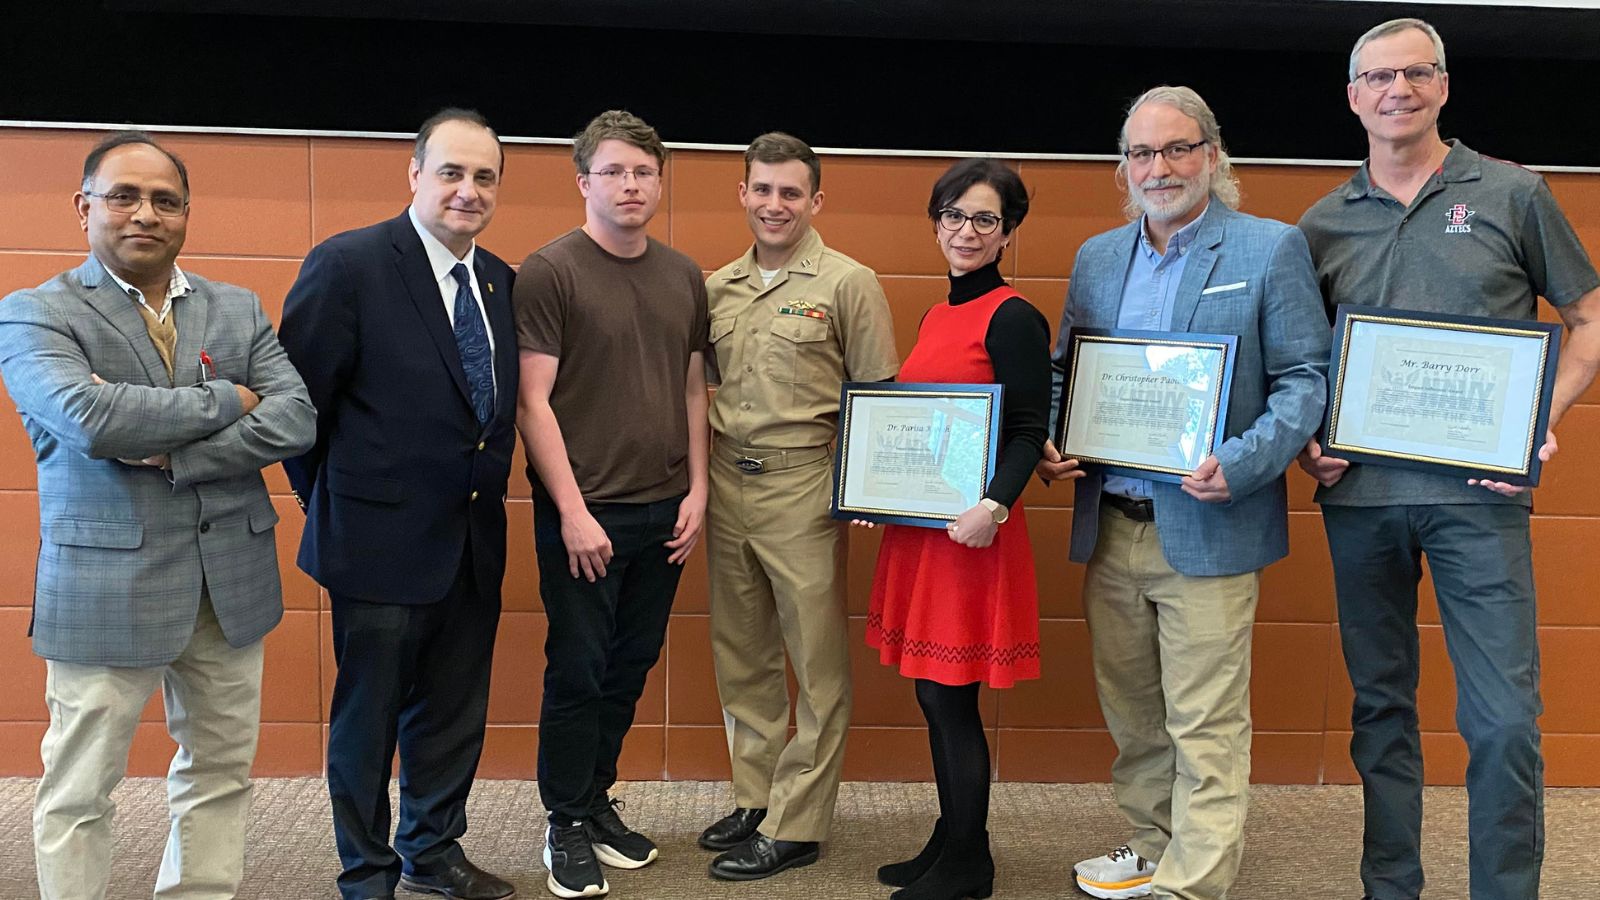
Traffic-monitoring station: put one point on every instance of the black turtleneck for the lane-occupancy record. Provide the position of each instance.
(975, 284)
(1018, 344)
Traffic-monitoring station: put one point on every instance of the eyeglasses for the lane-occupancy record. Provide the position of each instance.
(1174, 153)
(617, 174)
(128, 202)
(951, 219)
(1417, 74)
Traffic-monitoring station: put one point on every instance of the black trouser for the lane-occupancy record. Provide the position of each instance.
(416, 675)
(602, 641)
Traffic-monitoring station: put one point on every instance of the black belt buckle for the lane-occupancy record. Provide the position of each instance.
(750, 465)
(1139, 510)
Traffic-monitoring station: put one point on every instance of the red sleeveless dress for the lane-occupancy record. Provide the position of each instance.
(941, 611)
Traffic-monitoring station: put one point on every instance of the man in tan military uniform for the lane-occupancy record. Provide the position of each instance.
(790, 321)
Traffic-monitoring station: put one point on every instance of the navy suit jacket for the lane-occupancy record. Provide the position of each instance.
(1248, 277)
(402, 480)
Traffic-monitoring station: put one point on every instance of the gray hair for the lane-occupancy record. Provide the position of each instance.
(1224, 184)
(1395, 26)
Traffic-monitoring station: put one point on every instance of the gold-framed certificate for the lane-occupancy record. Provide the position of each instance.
(914, 454)
(1145, 404)
(1441, 392)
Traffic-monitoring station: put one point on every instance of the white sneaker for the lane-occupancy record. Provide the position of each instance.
(1118, 875)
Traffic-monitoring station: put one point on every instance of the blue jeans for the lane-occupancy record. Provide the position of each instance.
(1482, 565)
(603, 640)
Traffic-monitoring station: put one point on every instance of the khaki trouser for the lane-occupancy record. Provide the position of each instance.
(212, 694)
(1172, 668)
(777, 582)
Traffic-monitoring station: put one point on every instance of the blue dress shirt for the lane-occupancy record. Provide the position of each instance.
(1148, 295)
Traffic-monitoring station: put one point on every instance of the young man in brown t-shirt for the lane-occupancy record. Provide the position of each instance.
(611, 326)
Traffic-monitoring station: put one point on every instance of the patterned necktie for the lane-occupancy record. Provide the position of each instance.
(472, 340)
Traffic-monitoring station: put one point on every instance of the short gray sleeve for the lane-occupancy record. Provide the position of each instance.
(1558, 266)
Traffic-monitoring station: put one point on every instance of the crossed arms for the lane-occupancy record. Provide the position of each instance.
(208, 431)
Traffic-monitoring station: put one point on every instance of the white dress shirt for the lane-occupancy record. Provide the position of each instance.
(442, 261)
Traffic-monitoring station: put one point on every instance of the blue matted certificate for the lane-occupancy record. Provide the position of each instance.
(1440, 392)
(914, 454)
(1144, 404)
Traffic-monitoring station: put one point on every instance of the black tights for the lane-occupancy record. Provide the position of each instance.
(960, 759)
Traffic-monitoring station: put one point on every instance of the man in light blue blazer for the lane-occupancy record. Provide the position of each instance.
(153, 397)
(1174, 569)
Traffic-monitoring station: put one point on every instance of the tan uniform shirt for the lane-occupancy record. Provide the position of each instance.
(782, 350)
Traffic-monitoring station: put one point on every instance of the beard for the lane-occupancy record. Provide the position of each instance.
(1192, 193)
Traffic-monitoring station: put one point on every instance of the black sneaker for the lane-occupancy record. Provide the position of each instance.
(615, 843)
(574, 872)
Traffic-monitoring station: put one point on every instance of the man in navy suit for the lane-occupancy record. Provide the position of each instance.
(403, 333)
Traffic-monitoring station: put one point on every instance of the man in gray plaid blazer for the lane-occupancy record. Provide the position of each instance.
(153, 398)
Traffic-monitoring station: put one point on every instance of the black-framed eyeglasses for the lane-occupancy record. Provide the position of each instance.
(642, 175)
(163, 203)
(1174, 153)
(1417, 75)
(952, 219)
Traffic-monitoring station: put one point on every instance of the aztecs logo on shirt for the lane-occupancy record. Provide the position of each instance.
(1458, 216)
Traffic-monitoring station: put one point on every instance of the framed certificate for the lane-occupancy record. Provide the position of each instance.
(1145, 404)
(914, 454)
(1440, 392)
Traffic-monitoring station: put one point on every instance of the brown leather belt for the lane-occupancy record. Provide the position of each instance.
(1137, 510)
(757, 460)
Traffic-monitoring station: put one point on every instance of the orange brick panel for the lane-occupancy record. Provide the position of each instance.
(261, 202)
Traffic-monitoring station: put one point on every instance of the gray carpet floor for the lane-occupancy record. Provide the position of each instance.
(1301, 842)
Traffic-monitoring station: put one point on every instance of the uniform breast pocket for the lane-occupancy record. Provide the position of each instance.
(721, 329)
(796, 348)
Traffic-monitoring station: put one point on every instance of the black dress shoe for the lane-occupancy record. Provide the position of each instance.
(761, 857)
(732, 829)
(459, 881)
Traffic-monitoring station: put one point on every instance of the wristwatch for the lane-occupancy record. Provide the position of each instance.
(1000, 513)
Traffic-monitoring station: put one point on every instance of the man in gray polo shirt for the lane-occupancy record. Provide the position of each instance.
(1431, 225)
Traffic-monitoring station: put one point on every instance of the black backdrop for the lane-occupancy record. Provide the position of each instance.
(999, 75)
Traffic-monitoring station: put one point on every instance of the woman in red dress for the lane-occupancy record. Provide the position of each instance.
(957, 608)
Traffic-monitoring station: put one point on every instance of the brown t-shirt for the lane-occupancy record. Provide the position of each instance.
(623, 330)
